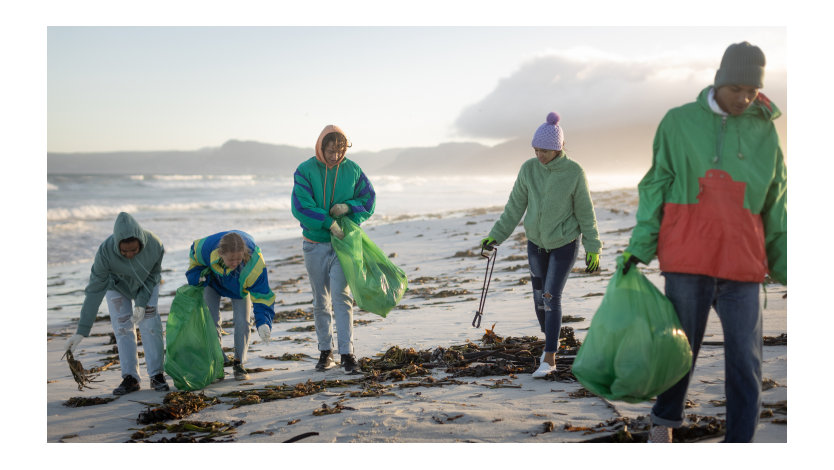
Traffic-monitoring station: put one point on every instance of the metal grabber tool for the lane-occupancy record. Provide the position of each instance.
(490, 257)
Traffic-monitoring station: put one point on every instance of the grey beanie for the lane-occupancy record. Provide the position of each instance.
(742, 64)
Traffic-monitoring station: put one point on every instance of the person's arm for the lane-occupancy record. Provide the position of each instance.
(513, 211)
(775, 220)
(150, 282)
(583, 208)
(652, 190)
(195, 265)
(94, 293)
(257, 285)
(362, 206)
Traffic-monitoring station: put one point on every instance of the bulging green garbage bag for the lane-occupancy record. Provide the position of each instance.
(194, 358)
(635, 348)
(377, 284)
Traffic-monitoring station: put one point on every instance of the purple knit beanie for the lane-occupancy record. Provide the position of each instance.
(549, 135)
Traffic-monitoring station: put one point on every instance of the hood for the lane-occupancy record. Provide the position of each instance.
(126, 227)
(320, 151)
(762, 107)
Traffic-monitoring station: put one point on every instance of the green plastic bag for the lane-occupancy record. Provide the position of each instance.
(377, 284)
(194, 358)
(635, 348)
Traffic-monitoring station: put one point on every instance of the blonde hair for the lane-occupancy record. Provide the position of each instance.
(232, 242)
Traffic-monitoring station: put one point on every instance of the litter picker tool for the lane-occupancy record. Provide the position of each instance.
(490, 257)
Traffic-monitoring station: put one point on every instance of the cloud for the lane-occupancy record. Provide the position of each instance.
(592, 91)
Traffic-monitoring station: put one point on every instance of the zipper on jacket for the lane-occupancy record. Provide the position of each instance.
(719, 146)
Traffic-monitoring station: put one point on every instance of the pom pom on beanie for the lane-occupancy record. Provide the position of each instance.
(549, 135)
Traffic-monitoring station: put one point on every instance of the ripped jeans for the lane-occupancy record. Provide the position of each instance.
(548, 273)
(121, 313)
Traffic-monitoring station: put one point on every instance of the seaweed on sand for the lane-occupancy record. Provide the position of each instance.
(82, 376)
(188, 431)
(76, 402)
(176, 405)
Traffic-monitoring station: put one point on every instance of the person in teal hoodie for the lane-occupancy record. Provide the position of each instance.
(126, 272)
(553, 191)
(713, 209)
(327, 187)
(230, 264)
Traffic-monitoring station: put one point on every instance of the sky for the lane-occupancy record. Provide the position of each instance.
(115, 88)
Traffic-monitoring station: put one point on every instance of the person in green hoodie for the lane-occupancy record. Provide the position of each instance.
(553, 191)
(713, 209)
(126, 272)
(327, 187)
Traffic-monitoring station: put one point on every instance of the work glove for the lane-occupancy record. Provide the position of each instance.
(336, 230)
(592, 262)
(339, 210)
(138, 314)
(629, 260)
(488, 243)
(263, 330)
(73, 342)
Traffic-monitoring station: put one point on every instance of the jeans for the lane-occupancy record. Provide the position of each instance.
(121, 318)
(331, 297)
(737, 304)
(240, 316)
(548, 274)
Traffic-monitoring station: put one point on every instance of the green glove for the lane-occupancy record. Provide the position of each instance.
(592, 262)
(629, 260)
(488, 243)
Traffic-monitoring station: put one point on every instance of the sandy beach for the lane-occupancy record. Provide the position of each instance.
(440, 256)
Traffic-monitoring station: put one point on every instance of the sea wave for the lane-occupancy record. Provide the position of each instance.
(98, 212)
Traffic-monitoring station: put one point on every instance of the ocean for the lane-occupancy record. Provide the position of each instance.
(81, 210)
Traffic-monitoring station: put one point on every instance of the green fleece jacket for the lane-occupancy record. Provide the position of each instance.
(134, 278)
(558, 204)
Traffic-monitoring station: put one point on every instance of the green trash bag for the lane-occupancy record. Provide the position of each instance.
(635, 348)
(377, 284)
(194, 358)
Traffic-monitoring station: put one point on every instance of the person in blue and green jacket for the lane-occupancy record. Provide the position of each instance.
(127, 272)
(713, 209)
(553, 192)
(327, 187)
(230, 264)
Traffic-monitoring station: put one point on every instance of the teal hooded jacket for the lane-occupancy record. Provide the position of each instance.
(557, 202)
(134, 278)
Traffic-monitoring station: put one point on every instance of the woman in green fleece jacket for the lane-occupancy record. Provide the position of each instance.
(553, 191)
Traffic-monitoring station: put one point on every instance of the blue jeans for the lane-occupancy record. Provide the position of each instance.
(240, 317)
(121, 313)
(331, 297)
(737, 304)
(548, 273)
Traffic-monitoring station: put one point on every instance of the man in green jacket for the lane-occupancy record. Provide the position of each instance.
(327, 187)
(127, 270)
(713, 210)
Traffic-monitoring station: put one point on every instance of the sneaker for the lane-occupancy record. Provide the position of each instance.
(228, 361)
(660, 434)
(240, 372)
(349, 363)
(543, 370)
(158, 383)
(129, 384)
(325, 361)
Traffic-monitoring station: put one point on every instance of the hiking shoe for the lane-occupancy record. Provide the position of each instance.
(660, 434)
(240, 372)
(543, 370)
(349, 363)
(129, 384)
(158, 383)
(228, 360)
(325, 361)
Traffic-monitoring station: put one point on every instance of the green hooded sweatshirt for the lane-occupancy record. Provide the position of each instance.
(714, 202)
(134, 278)
(558, 205)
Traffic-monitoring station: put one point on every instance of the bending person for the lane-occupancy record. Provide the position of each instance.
(229, 264)
(553, 191)
(126, 272)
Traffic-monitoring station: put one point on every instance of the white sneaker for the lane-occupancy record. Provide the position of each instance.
(543, 370)
(660, 434)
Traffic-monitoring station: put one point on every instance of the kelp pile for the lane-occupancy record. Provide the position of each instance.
(76, 402)
(176, 405)
(627, 430)
(189, 431)
(282, 392)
